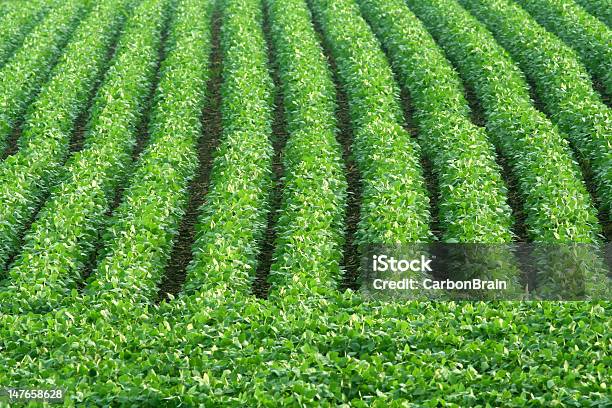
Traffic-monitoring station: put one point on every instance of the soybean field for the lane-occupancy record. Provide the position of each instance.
(191, 191)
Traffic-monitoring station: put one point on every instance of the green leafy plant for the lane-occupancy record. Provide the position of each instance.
(138, 243)
(472, 200)
(311, 223)
(395, 206)
(584, 33)
(26, 176)
(562, 84)
(554, 197)
(599, 8)
(66, 230)
(17, 21)
(30, 66)
(233, 218)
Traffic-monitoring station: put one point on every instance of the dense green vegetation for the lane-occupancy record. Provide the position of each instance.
(310, 227)
(588, 36)
(112, 148)
(472, 198)
(16, 22)
(28, 69)
(555, 200)
(138, 243)
(67, 226)
(601, 9)
(233, 218)
(26, 175)
(562, 84)
(394, 207)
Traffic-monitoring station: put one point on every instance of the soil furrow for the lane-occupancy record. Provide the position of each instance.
(175, 272)
(261, 285)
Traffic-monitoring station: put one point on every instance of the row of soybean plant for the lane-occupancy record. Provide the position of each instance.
(233, 218)
(588, 36)
(562, 84)
(310, 229)
(394, 201)
(139, 240)
(473, 204)
(472, 198)
(599, 8)
(554, 197)
(553, 194)
(65, 233)
(28, 68)
(25, 176)
(16, 22)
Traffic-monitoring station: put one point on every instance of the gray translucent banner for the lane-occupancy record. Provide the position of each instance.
(518, 271)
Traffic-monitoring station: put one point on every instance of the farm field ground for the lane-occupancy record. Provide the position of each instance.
(194, 195)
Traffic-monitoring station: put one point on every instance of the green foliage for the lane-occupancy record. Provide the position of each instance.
(584, 33)
(236, 352)
(26, 176)
(65, 233)
(602, 9)
(30, 66)
(17, 21)
(233, 218)
(395, 206)
(554, 198)
(138, 244)
(472, 199)
(218, 346)
(310, 227)
(562, 84)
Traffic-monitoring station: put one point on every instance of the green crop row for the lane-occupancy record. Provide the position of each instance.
(562, 84)
(472, 199)
(16, 23)
(554, 197)
(25, 177)
(139, 241)
(29, 67)
(233, 218)
(64, 235)
(395, 206)
(591, 39)
(602, 9)
(310, 227)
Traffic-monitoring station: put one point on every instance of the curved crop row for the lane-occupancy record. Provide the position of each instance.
(591, 39)
(561, 82)
(139, 241)
(310, 227)
(26, 176)
(473, 204)
(233, 218)
(395, 206)
(602, 9)
(64, 235)
(17, 23)
(28, 69)
(555, 200)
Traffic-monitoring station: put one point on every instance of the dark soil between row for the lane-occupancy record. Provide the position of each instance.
(142, 138)
(352, 256)
(261, 286)
(181, 256)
